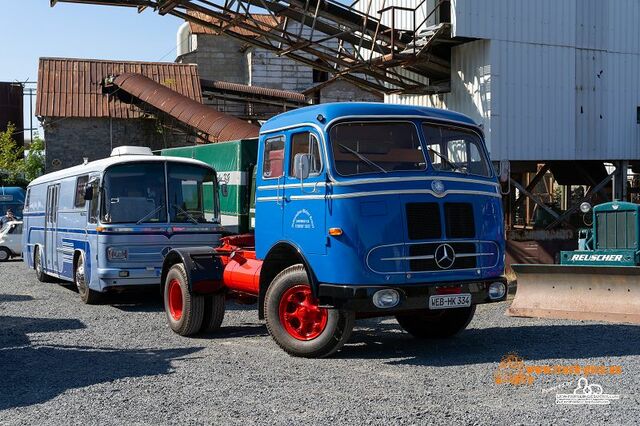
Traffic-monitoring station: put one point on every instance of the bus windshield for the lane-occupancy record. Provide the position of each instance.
(191, 194)
(137, 193)
(134, 193)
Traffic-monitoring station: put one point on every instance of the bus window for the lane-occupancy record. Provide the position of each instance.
(191, 194)
(134, 193)
(81, 183)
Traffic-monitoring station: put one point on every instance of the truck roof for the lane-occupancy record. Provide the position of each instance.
(332, 111)
(102, 164)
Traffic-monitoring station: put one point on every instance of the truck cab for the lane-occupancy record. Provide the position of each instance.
(373, 210)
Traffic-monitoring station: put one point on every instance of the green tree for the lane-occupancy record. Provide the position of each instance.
(11, 158)
(34, 160)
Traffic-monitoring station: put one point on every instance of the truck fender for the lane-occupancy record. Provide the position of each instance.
(279, 257)
(203, 267)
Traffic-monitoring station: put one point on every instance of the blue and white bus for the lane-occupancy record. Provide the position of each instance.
(109, 223)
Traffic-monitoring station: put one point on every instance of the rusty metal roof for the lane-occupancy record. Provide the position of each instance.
(74, 87)
(225, 86)
(266, 19)
(218, 126)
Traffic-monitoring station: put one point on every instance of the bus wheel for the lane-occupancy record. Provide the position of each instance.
(40, 274)
(214, 307)
(87, 295)
(5, 254)
(297, 323)
(185, 311)
(436, 324)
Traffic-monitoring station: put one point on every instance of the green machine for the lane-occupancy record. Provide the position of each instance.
(600, 281)
(234, 163)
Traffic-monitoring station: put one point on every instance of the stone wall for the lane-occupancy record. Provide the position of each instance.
(69, 140)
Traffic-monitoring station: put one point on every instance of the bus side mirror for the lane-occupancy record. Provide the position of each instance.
(224, 189)
(88, 193)
(302, 166)
(89, 189)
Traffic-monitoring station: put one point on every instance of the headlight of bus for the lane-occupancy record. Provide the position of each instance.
(115, 253)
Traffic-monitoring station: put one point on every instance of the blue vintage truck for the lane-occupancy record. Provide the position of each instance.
(361, 210)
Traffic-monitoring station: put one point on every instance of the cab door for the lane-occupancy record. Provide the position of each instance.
(305, 200)
(51, 229)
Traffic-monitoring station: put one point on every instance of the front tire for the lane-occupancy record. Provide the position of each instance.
(87, 295)
(185, 311)
(296, 322)
(39, 268)
(429, 324)
(5, 254)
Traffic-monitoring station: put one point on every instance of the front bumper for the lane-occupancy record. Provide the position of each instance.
(134, 276)
(412, 297)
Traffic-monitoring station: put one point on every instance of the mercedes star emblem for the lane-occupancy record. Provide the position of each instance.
(437, 186)
(445, 256)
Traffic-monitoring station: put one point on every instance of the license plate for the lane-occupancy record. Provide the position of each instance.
(449, 301)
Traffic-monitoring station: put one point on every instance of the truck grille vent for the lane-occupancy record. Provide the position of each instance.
(459, 220)
(423, 221)
(431, 265)
(616, 230)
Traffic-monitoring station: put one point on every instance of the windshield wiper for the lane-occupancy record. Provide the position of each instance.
(446, 160)
(151, 213)
(186, 213)
(363, 158)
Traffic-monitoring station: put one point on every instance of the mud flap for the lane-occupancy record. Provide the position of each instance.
(598, 293)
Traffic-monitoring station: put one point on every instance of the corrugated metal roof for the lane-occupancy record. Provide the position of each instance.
(73, 87)
(218, 126)
(266, 19)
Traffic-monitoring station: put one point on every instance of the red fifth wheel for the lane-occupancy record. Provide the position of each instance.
(297, 323)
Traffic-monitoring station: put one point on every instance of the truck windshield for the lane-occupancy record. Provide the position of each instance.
(376, 147)
(456, 150)
(134, 193)
(191, 194)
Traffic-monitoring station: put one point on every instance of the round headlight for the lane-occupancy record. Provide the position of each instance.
(585, 207)
(497, 290)
(387, 298)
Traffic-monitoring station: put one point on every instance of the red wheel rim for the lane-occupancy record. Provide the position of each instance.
(175, 300)
(300, 314)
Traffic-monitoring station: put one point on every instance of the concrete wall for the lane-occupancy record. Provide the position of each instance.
(344, 91)
(70, 140)
(219, 58)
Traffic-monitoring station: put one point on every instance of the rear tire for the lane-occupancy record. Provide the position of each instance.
(185, 311)
(430, 324)
(5, 254)
(37, 265)
(87, 295)
(295, 321)
(214, 307)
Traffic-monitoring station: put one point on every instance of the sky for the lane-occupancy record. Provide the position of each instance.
(30, 29)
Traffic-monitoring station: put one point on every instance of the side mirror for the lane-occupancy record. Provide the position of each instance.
(88, 192)
(89, 189)
(302, 166)
(224, 189)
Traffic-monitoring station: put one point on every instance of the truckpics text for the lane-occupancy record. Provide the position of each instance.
(360, 210)
(108, 224)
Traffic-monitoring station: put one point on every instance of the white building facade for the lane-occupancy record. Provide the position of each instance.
(548, 79)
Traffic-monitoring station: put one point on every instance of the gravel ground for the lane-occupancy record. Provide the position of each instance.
(65, 362)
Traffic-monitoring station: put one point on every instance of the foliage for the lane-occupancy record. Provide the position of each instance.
(34, 160)
(15, 169)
